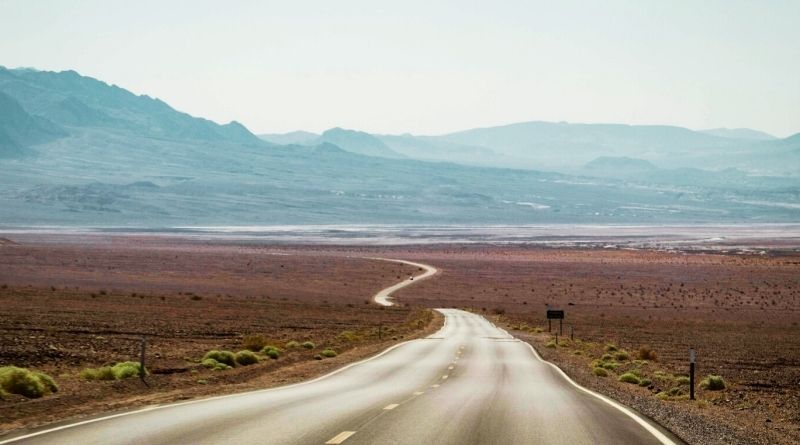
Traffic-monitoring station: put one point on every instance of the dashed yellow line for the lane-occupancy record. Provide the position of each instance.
(391, 406)
(435, 385)
(418, 393)
(444, 377)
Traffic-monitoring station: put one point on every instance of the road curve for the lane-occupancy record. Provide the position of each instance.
(383, 297)
(469, 383)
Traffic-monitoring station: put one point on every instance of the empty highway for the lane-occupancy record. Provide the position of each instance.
(470, 383)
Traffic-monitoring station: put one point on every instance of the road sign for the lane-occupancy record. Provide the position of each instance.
(555, 314)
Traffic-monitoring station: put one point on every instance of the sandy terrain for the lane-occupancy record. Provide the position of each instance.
(740, 311)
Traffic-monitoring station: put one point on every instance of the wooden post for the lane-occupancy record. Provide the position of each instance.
(556, 340)
(560, 326)
(572, 333)
(141, 361)
(549, 325)
(691, 373)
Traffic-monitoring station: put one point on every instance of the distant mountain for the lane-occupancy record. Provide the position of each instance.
(740, 133)
(71, 100)
(294, 137)
(357, 142)
(20, 130)
(106, 157)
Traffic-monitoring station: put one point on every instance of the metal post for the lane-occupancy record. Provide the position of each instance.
(560, 326)
(549, 325)
(141, 360)
(572, 333)
(691, 373)
(556, 339)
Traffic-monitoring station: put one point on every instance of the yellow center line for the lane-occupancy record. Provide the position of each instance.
(339, 438)
(391, 406)
(435, 386)
(450, 368)
(444, 377)
(418, 393)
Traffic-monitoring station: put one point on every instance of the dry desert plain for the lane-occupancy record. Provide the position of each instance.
(72, 302)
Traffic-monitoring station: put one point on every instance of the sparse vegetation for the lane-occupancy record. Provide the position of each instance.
(329, 353)
(348, 336)
(713, 383)
(309, 345)
(214, 365)
(600, 372)
(629, 377)
(30, 384)
(118, 371)
(292, 344)
(646, 353)
(254, 342)
(621, 356)
(246, 357)
(611, 347)
(226, 357)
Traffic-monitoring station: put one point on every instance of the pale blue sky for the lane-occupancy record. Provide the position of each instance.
(430, 66)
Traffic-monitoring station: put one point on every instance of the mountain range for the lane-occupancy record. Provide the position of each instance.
(77, 151)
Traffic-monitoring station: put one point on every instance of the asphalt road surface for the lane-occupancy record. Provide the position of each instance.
(470, 383)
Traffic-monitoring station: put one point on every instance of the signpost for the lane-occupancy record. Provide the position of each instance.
(691, 373)
(142, 371)
(555, 314)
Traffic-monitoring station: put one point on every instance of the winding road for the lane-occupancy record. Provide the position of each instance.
(469, 383)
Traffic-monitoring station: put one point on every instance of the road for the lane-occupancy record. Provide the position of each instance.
(469, 383)
(384, 296)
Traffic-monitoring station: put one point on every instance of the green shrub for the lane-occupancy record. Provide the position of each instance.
(600, 372)
(26, 383)
(329, 353)
(254, 342)
(271, 351)
(550, 344)
(214, 365)
(125, 370)
(606, 357)
(292, 344)
(645, 382)
(246, 357)
(317, 357)
(119, 371)
(309, 345)
(348, 336)
(621, 356)
(713, 383)
(682, 380)
(227, 357)
(612, 365)
(629, 378)
(611, 347)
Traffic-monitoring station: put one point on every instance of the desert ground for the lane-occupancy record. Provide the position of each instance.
(72, 302)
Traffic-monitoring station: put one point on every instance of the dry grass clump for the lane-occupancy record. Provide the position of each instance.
(118, 371)
(30, 384)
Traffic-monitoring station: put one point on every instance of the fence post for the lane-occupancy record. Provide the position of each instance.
(691, 373)
(141, 361)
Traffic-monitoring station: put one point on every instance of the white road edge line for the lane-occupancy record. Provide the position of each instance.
(246, 393)
(339, 438)
(625, 410)
(383, 296)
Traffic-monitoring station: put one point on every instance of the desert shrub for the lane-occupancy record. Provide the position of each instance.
(125, 370)
(119, 371)
(713, 383)
(310, 344)
(600, 372)
(550, 344)
(629, 378)
(621, 356)
(578, 352)
(645, 353)
(214, 365)
(636, 372)
(271, 351)
(292, 344)
(537, 330)
(317, 357)
(611, 347)
(682, 380)
(246, 357)
(347, 336)
(254, 342)
(612, 365)
(227, 357)
(606, 357)
(645, 382)
(26, 383)
(329, 353)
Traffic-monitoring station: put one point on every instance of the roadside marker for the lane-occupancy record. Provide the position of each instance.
(392, 406)
(339, 438)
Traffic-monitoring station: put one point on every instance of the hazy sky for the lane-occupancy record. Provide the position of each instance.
(429, 66)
